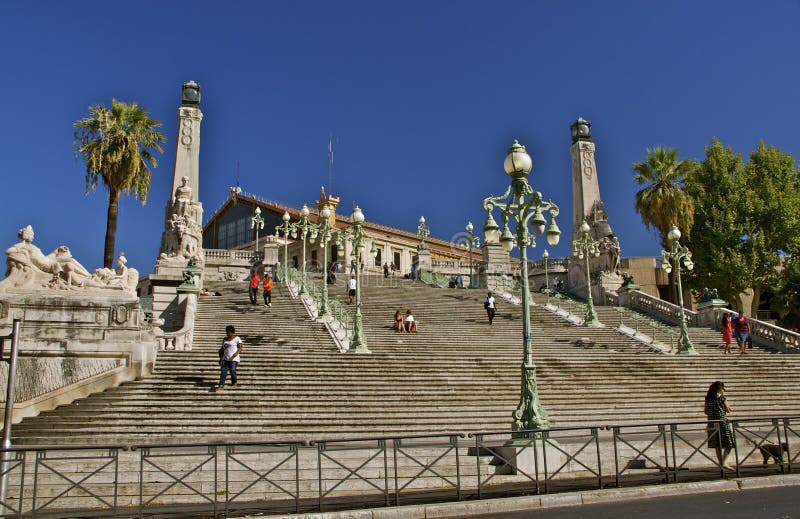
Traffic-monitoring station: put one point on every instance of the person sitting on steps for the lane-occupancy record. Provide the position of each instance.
(398, 321)
(409, 323)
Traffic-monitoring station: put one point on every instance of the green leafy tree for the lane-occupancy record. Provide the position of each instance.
(662, 200)
(786, 296)
(117, 146)
(716, 186)
(746, 217)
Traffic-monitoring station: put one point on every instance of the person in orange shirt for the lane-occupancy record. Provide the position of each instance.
(267, 290)
(255, 280)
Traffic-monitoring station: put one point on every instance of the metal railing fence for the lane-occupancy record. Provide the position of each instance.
(222, 479)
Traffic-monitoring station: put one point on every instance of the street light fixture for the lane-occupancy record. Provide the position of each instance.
(524, 206)
(257, 223)
(285, 228)
(546, 257)
(473, 241)
(355, 235)
(325, 231)
(584, 248)
(303, 228)
(681, 256)
(423, 231)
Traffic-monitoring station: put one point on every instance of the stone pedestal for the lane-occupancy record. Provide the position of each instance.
(625, 293)
(707, 312)
(424, 261)
(518, 458)
(496, 267)
(73, 345)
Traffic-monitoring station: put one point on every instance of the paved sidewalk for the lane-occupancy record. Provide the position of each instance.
(527, 503)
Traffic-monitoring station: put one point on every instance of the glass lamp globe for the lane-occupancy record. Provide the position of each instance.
(545, 254)
(537, 223)
(422, 220)
(553, 233)
(469, 227)
(286, 216)
(507, 240)
(584, 227)
(674, 234)
(326, 212)
(258, 211)
(517, 163)
(304, 211)
(491, 230)
(357, 215)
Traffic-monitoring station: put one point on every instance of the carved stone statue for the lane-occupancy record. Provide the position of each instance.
(183, 197)
(627, 279)
(27, 268)
(709, 294)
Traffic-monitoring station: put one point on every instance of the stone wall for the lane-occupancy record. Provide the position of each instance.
(72, 345)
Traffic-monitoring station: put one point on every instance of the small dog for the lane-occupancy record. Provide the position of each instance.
(771, 451)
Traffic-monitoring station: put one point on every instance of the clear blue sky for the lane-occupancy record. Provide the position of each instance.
(423, 99)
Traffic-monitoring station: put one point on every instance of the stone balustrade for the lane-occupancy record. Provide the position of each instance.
(665, 310)
(764, 333)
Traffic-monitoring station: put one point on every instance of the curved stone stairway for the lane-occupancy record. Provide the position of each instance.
(456, 374)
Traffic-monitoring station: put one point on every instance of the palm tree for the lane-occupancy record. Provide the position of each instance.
(116, 146)
(663, 201)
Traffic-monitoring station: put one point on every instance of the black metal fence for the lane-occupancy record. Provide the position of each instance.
(230, 479)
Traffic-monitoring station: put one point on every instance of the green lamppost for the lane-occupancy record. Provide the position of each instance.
(285, 228)
(545, 259)
(257, 223)
(681, 256)
(523, 206)
(423, 231)
(325, 231)
(472, 241)
(584, 248)
(355, 235)
(303, 228)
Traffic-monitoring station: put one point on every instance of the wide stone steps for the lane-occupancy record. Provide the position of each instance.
(457, 374)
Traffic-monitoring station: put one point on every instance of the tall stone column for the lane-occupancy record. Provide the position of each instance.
(182, 238)
(587, 206)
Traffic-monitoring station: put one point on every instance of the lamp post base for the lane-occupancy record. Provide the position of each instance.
(685, 346)
(358, 344)
(529, 413)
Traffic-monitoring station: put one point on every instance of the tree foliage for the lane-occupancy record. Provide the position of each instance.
(117, 146)
(662, 201)
(745, 218)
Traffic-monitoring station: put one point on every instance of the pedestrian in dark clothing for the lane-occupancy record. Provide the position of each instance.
(720, 437)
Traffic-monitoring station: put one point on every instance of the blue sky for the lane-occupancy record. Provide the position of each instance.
(423, 99)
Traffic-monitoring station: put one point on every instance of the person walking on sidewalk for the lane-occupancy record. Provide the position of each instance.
(720, 437)
(267, 290)
(229, 357)
(489, 305)
(254, 281)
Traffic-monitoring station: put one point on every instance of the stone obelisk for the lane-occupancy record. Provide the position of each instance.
(587, 206)
(178, 270)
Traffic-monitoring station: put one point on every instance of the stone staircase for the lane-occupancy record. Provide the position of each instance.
(456, 374)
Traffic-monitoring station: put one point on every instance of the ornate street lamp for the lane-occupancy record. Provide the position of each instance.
(523, 206)
(355, 235)
(423, 231)
(257, 223)
(304, 229)
(546, 257)
(584, 248)
(325, 232)
(472, 241)
(682, 257)
(285, 228)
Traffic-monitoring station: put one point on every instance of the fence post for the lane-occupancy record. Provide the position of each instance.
(7, 419)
